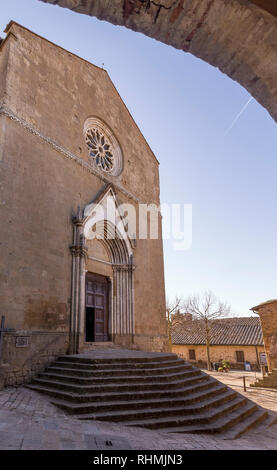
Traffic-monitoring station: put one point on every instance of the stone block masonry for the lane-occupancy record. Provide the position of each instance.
(49, 177)
(268, 316)
(26, 353)
(238, 37)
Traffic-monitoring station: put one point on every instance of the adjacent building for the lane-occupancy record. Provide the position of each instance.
(267, 312)
(237, 340)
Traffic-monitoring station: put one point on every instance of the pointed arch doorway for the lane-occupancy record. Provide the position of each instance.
(97, 308)
(102, 307)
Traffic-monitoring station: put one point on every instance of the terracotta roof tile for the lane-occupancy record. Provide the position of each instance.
(226, 331)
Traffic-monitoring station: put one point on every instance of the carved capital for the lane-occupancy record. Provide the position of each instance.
(78, 218)
(74, 250)
(78, 250)
(123, 267)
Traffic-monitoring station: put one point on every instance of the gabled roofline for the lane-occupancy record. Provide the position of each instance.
(5, 40)
(232, 331)
(14, 23)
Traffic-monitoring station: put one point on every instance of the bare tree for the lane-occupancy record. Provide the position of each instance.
(172, 308)
(205, 308)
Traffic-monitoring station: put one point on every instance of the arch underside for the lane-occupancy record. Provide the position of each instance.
(237, 36)
(116, 246)
(122, 286)
(121, 283)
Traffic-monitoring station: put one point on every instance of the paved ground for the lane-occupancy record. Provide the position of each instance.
(267, 398)
(28, 421)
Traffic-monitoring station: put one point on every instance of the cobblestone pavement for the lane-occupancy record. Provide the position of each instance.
(28, 421)
(267, 398)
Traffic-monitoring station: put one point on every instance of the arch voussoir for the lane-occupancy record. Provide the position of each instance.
(237, 36)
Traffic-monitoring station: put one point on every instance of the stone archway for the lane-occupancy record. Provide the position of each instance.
(237, 36)
(118, 246)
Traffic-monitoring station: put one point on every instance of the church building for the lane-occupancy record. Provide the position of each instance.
(68, 145)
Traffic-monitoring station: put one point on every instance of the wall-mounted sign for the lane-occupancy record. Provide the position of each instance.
(263, 360)
(22, 341)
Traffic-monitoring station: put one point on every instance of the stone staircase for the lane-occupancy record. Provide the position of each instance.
(100, 345)
(150, 390)
(269, 381)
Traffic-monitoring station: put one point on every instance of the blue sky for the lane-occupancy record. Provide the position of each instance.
(183, 107)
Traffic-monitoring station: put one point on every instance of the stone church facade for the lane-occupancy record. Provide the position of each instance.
(68, 144)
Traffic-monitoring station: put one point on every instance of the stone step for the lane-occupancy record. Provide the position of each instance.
(264, 383)
(250, 422)
(57, 369)
(221, 425)
(269, 381)
(83, 381)
(114, 373)
(205, 417)
(270, 419)
(118, 386)
(268, 377)
(164, 411)
(205, 383)
(158, 357)
(152, 390)
(185, 400)
(101, 345)
(102, 366)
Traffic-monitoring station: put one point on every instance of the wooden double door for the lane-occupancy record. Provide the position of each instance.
(97, 308)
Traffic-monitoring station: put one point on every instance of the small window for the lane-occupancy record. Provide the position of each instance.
(240, 356)
(192, 355)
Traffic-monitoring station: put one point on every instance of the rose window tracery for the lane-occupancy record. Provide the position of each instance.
(104, 150)
(100, 149)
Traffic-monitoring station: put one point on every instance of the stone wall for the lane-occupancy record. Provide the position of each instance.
(26, 352)
(237, 36)
(220, 352)
(45, 175)
(268, 315)
(158, 342)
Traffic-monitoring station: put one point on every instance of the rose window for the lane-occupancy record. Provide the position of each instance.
(103, 147)
(100, 149)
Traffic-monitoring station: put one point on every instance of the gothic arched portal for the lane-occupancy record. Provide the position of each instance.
(121, 284)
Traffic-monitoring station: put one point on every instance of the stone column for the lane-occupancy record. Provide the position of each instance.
(111, 310)
(78, 251)
(123, 304)
(2, 378)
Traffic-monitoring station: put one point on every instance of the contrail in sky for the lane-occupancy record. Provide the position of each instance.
(238, 116)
